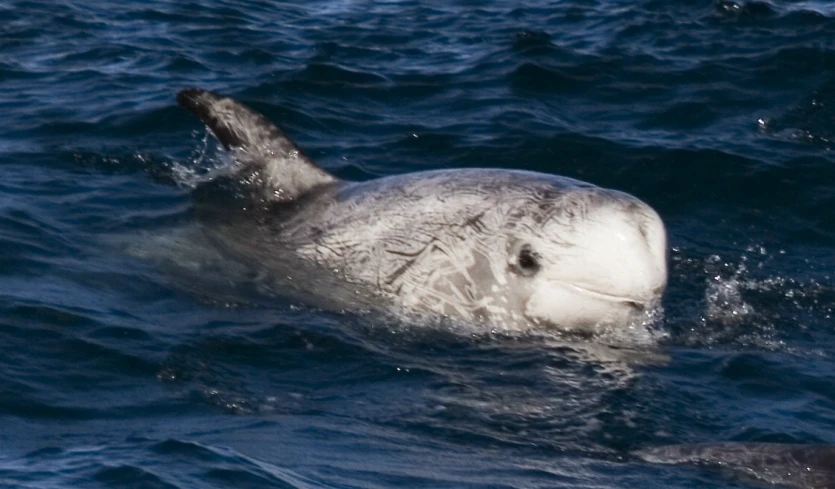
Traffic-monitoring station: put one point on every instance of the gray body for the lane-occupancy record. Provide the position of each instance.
(406, 240)
(790, 465)
(444, 242)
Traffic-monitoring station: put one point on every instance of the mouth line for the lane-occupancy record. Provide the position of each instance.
(637, 303)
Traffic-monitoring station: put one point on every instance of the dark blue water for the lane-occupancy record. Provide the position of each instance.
(115, 372)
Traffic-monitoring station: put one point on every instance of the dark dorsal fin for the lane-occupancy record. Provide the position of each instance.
(269, 162)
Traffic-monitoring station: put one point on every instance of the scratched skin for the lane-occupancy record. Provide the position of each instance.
(437, 243)
(460, 260)
(487, 246)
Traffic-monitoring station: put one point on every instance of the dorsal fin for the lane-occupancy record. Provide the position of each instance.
(269, 162)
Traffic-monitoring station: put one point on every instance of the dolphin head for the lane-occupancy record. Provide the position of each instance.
(585, 257)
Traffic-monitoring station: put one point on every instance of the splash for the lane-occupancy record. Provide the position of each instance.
(646, 330)
(744, 306)
(633, 342)
(206, 163)
(723, 295)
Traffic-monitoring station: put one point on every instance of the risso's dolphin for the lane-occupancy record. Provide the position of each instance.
(504, 249)
(790, 465)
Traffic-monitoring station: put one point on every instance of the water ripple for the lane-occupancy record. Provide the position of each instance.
(133, 357)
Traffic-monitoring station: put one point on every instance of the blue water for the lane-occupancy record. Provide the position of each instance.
(116, 372)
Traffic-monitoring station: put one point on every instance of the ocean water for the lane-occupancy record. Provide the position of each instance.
(116, 372)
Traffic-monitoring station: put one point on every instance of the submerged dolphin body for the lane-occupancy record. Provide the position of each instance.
(790, 465)
(505, 249)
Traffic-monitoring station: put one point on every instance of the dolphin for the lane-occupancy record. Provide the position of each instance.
(791, 465)
(502, 249)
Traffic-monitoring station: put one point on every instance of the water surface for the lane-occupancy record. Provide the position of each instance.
(116, 373)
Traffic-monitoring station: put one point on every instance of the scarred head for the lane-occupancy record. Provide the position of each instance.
(585, 257)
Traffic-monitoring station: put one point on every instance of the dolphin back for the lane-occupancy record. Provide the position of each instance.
(790, 465)
(267, 161)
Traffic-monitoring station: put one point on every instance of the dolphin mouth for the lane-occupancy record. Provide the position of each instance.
(637, 303)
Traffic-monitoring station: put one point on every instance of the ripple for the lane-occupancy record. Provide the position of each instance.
(811, 121)
(134, 463)
(532, 42)
(684, 116)
(240, 478)
(533, 77)
(658, 99)
(327, 74)
(130, 476)
(729, 10)
(186, 450)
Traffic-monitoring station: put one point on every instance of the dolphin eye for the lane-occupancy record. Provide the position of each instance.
(527, 263)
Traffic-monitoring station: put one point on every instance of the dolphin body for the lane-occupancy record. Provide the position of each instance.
(790, 465)
(503, 249)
